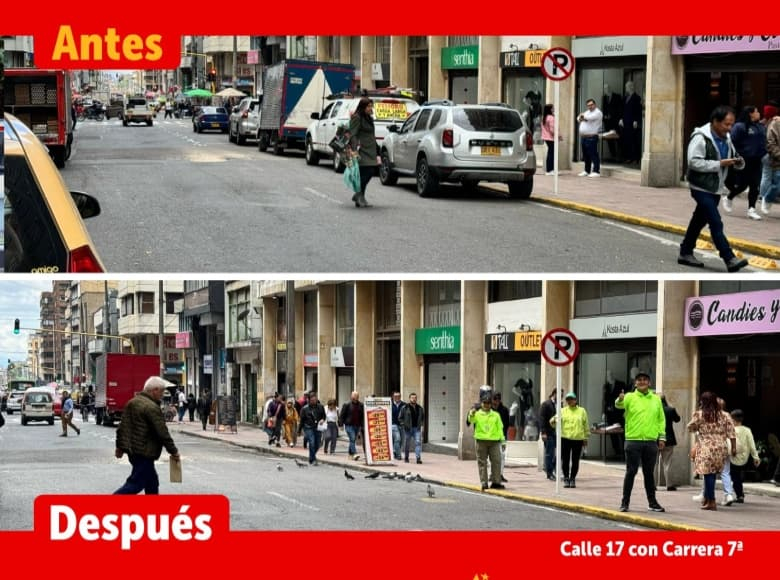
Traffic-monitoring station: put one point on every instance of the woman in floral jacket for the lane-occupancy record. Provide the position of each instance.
(712, 427)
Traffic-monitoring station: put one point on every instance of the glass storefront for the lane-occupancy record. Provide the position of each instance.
(517, 378)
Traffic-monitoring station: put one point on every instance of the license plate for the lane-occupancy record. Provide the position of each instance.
(215, 124)
(490, 150)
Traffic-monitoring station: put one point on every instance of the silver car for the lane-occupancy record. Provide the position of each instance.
(244, 119)
(445, 142)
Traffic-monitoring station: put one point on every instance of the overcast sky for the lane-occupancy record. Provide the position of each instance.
(19, 299)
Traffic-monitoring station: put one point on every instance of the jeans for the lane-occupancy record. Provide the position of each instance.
(397, 439)
(709, 486)
(415, 433)
(313, 437)
(725, 477)
(549, 455)
(549, 162)
(352, 433)
(143, 477)
(737, 479)
(638, 453)
(590, 153)
(571, 451)
(180, 411)
(331, 435)
(706, 213)
(770, 182)
(749, 177)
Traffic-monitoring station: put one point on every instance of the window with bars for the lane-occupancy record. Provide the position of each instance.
(462, 40)
(388, 306)
(382, 49)
(239, 316)
(442, 303)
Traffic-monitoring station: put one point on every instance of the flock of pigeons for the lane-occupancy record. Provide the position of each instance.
(407, 477)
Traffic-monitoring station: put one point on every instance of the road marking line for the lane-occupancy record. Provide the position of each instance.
(293, 501)
(324, 196)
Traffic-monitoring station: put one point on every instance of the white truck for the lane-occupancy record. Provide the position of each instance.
(136, 111)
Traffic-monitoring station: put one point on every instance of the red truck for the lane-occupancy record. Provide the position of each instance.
(118, 378)
(41, 99)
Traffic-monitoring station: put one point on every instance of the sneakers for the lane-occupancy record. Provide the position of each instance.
(623, 507)
(671, 488)
(504, 479)
(551, 477)
(728, 204)
(774, 482)
(753, 214)
(419, 461)
(497, 486)
(689, 260)
(566, 482)
(549, 172)
(765, 206)
(736, 264)
(655, 507)
(594, 174)
(356, 457)
(740, 499)
(484, 486)
(583, 174)
(699, 497)
(728, 500)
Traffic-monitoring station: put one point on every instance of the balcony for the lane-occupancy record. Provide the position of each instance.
(96, 346)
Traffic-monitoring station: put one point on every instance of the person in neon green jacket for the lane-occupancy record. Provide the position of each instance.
(645, 436)
(489, 437)
(574, 436)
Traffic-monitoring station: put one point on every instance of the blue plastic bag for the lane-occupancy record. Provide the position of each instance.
(352, 176)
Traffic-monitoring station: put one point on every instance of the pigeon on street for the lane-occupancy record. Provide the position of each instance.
(300, 463)
(372, 475)
(430, 491)
(418, 477)
(390, 475)
(348, 475)
(408, 477)
(279, 467)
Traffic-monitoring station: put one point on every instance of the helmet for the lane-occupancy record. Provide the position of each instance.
(485, 393)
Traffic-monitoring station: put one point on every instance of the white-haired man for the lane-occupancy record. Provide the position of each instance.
(142, 434)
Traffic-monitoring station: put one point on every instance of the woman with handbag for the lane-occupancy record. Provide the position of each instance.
(364, 147)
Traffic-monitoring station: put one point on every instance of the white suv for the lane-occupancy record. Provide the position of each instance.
(443, 141)
(389, 108)
(37, 405)
(244, 120)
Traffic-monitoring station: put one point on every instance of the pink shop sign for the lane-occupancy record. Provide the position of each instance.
(743, 313)
(718, 44)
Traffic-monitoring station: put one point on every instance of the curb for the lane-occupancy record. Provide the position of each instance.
(594, 511)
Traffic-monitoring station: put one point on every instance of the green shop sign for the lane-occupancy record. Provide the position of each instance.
(464, 57)
(438, 340)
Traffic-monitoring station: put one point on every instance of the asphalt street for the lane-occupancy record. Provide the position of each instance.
(177, 201)
(265, 492)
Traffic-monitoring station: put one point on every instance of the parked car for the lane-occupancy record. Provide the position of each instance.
(243, 121)
(389, 109)
(37, 405)
(445, 142)
(210, 119)
(44, 228)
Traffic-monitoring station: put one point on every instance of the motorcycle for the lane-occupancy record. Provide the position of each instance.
(96, 111)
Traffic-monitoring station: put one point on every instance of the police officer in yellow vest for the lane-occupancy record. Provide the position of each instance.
(489, 437)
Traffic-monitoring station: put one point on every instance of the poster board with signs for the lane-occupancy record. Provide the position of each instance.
(227, 411)
(377, 419)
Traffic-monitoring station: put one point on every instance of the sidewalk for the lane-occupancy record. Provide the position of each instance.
(597, 493)
(618, 195)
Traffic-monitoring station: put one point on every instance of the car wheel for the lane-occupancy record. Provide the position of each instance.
(149, 123)
(50, 421)
(521, 189)
(312, 158)
(24, 421)
(276, 147)
(338, 164)
(386, 175)
(124, 123)
(427, 182)
(262, 142)
(231, 138)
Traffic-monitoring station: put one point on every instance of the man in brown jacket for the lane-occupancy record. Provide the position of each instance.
(142, 434)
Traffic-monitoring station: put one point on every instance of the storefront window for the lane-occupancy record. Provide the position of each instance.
(518, 383)
(524, 91)
(598, 298)
(442, 304)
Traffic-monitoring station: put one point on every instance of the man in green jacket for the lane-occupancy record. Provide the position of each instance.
(489, 437)
(142, 434)
(645, 435)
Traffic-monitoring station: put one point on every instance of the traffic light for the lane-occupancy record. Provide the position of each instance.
(16, 326)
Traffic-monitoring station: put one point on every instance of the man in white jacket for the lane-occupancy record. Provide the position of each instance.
(710, 155)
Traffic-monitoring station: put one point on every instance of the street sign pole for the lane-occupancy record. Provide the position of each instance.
(558, 426)
(556, 143)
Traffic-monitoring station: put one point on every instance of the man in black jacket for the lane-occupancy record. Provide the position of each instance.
(501, 409)
(665, 456)
(351, 417)
(312, 416)
(546, 412)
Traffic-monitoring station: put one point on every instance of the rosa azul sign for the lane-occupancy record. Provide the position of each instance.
(736, 43)
(743, 313)
(438, 340)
